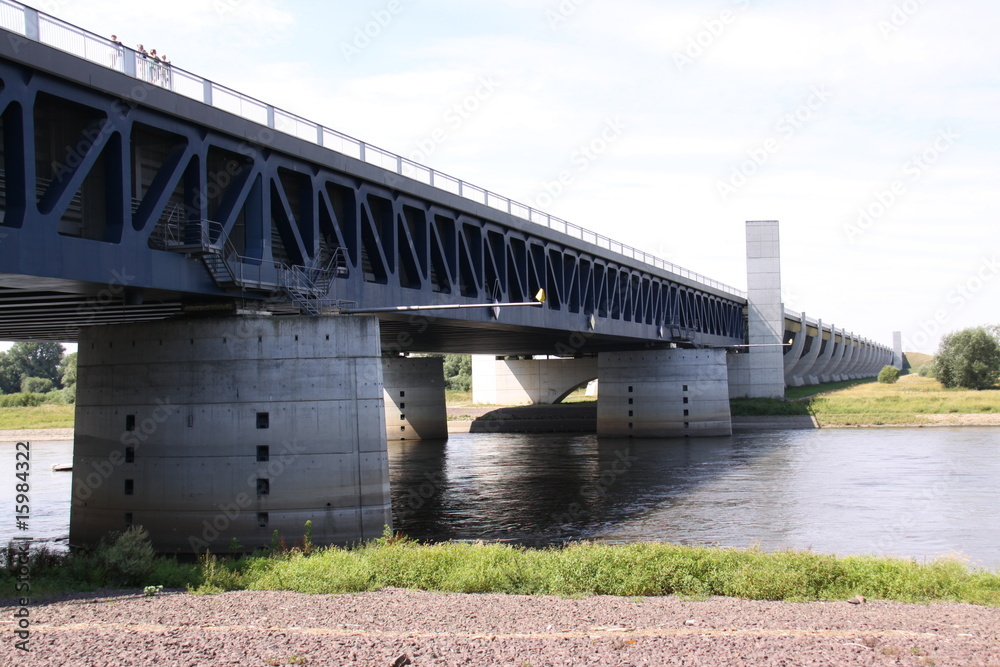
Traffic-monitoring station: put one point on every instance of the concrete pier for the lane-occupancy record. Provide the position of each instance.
(413, 390)
(766, 314)
(500, 381)
(897, 349)
(211, 430)
(663, 393)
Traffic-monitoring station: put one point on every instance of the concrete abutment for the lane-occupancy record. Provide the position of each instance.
(500, 381)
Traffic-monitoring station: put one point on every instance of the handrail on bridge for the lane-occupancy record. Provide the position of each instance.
(41, 27)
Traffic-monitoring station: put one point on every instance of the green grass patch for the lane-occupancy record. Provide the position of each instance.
(582, 569)
(900, 403)
(766, 407)
(47, 415)
(453, 397)
(870, 403)
(795, 393)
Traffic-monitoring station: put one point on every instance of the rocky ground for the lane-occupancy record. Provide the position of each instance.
(397, 627)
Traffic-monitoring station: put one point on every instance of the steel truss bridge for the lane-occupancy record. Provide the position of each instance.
(132, 190)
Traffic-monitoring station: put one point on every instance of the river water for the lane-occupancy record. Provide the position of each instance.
(906, 492)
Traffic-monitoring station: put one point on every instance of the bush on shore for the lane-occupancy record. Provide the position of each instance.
(888, 375)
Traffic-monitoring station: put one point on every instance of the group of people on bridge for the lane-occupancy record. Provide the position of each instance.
(150, 66)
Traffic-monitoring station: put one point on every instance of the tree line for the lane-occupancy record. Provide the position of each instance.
(38, 368)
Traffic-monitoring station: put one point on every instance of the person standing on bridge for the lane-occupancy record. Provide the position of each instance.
(118, 53)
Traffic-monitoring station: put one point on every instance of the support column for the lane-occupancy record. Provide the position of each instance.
(849, 358)
(825, 357)
(829, 373)
(766, 313)
(838, 371)
(663, 394)
(793, 354)
(414, 398)
(849, 371)
(866, 367)
(802, 374)
(528, 381)
(897, 349)
(209, 430)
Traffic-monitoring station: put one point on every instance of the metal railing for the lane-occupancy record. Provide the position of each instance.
(49, 30)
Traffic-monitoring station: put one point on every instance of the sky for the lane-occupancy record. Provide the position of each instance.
(867, 128)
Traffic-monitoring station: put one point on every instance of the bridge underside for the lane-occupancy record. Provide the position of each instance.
(58, 310)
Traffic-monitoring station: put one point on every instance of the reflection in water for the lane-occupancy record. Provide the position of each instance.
(908, 492)
(546, 488)
(49, 494)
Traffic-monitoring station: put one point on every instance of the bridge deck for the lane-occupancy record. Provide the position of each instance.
(114, 169)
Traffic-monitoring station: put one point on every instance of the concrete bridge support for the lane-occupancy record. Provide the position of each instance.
(413, 391)
(214, 429)
(793, 353)
(663, 393)
(766, 314)
(830, 372)
(801, 372)
(498, 381)
(897, 349)
(825, 357)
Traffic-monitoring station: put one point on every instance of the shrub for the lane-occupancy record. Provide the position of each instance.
(128, 556)
(458, 372)
(888, 375)
(22, 400)
(37, 385)
(969, 358)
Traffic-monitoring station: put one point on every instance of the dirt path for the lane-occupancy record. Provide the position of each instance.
(397, 627)
(19, 435)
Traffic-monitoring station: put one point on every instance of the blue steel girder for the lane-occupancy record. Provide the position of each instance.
(98, 176)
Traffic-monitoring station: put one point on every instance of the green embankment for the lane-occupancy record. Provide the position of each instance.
(644, 569)
(869, 403)
(47, 415)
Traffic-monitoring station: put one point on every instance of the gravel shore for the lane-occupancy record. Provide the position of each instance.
(399, 627)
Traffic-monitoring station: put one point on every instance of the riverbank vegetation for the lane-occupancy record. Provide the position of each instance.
(580, 569)
(41, 415)
(911, 400)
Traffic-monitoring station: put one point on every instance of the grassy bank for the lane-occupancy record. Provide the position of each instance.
(645, 569)
(48, 415)
(869, 403)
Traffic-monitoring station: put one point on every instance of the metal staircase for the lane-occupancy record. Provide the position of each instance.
(305, 287)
